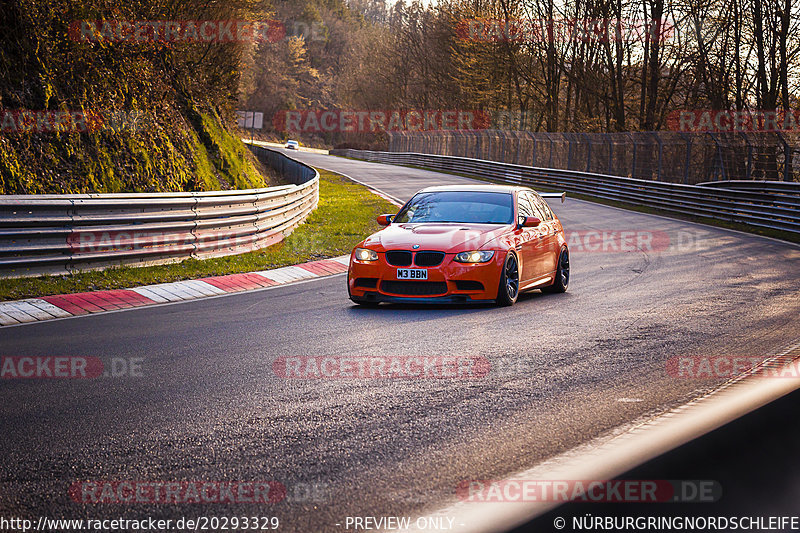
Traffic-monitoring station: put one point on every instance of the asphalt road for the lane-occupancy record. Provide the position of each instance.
(565, 369)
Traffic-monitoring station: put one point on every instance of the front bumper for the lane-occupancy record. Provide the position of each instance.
(449, 282)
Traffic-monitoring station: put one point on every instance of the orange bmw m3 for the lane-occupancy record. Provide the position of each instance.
(462, 244)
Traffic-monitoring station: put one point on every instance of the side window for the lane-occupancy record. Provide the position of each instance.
(525, 209)
(542, 207)
(538, 209)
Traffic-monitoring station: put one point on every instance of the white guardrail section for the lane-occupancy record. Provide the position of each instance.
(774, 205)
(59, 234)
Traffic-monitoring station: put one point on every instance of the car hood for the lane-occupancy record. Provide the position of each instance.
(451, 238)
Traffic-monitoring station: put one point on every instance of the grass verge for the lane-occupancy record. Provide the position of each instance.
(345, 215)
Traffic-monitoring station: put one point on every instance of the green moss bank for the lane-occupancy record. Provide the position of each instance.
(157, 117)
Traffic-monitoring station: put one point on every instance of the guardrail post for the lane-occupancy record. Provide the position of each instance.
(70, 266)
(588, 151)
(688, 160)
(196, 220)
(660, 154)
(569, 152)
(749, 165)
(720, 162)
(787, 158)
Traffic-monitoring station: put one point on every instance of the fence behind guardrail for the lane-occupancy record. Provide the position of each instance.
(675, 157)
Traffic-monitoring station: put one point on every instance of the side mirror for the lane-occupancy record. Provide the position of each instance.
(385, 220)
(529, 222)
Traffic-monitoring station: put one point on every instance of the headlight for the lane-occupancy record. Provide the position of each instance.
(362, 254)
(474, 257)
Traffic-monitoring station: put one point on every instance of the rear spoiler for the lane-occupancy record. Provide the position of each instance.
(561, 195)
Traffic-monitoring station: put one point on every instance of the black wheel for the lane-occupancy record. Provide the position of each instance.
(562, 274)
(508, 290)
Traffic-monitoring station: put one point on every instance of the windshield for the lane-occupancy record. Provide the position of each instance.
(459, 206)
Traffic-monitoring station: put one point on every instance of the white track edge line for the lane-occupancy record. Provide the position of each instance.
(391, 197)
(163, 304)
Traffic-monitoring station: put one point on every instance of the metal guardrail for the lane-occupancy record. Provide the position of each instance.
(672, 156)
(59, 234)
(776, 205)
(770, 187)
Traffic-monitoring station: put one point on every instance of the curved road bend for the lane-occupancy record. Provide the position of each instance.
(565, 370)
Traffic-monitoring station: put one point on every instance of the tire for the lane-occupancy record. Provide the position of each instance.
(508, 290)
(562, 274)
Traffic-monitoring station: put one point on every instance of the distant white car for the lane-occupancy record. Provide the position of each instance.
(292, 145)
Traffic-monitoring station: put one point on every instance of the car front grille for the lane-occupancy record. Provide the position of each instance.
(428, 259)
(399, 258)
(414, 288)
(402, 258)
(367, 283)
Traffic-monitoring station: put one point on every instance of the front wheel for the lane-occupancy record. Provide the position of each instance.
(508, 290)
(562, 274)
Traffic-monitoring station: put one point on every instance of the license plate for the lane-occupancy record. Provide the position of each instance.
(412, 273)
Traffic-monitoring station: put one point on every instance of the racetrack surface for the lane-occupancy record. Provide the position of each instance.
(565, 369)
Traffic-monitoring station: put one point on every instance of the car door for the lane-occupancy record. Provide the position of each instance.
(529, 246)
(548, 236)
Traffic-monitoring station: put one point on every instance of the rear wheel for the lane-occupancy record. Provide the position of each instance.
(508, 290)
(562, 274)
